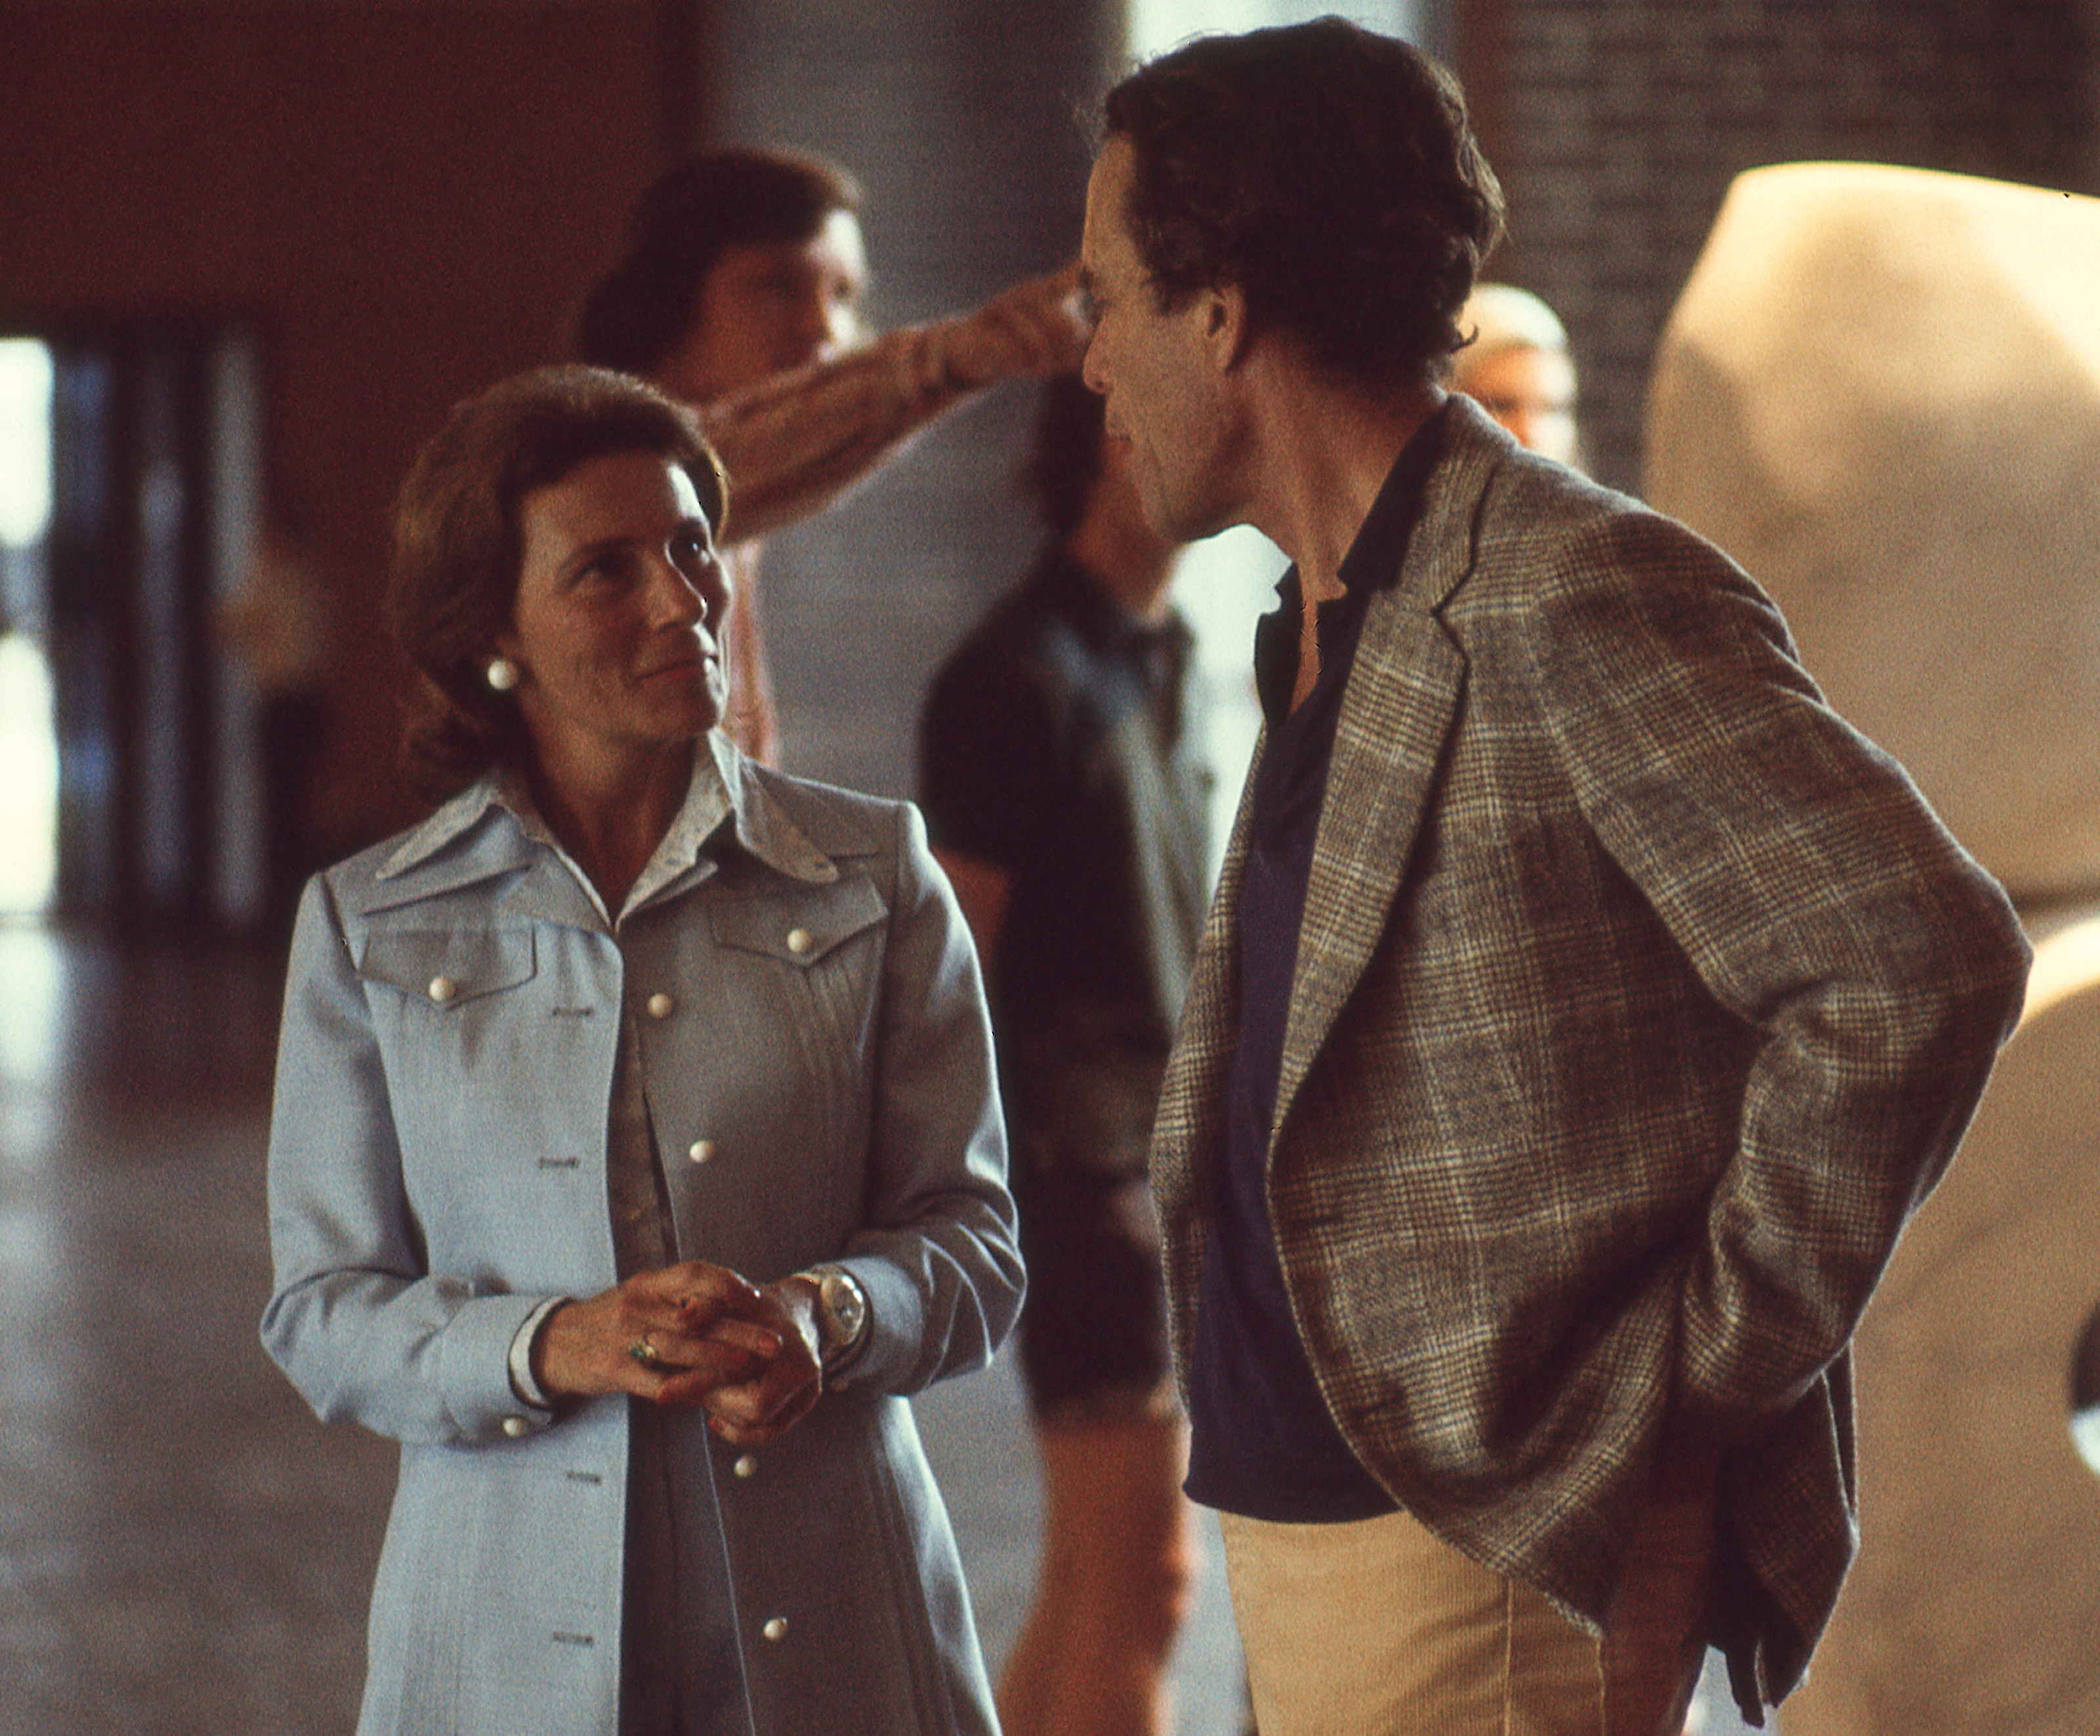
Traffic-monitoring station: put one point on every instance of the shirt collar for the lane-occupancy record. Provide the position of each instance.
(1375, 555)
(455, 819)
(721, 789)
(707, 804)
(1380, 545)
(1106, 626)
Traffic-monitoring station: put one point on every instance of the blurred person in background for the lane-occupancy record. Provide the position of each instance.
(1062, 769)
(1517, 368)
(739, 291)
(636, 1147)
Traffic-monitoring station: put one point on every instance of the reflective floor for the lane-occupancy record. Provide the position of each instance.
(183, 1550)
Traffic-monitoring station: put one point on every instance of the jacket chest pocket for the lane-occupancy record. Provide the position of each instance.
(797, 980)
(450, 1007)
(819, 952)
(449, 968)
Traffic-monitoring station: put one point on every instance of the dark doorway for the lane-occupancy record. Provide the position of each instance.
(153, 448)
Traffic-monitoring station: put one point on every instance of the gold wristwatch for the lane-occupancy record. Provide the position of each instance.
(842, 1312)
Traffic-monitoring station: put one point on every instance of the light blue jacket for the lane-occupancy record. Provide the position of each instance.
(820, 1085)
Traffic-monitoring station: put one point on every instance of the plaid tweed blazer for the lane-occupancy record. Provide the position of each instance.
(1638, 1002)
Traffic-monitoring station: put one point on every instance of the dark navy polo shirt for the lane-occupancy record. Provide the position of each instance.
(1263, 1442)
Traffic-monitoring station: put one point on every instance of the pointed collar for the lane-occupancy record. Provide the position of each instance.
(1381, 542)
(493, 826)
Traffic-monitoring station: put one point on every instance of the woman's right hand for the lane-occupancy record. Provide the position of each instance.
(702, 1325)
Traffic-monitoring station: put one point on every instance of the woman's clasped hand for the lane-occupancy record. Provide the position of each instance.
(691, 1333)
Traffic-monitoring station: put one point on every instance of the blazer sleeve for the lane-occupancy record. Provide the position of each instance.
(1877, 967)
(364, 1330)
(936, 1252)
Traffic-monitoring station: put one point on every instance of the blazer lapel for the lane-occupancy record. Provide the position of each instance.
(1396, 717)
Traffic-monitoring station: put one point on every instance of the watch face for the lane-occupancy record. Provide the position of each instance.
(846, 1306)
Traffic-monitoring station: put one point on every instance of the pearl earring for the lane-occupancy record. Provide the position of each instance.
(502, 674)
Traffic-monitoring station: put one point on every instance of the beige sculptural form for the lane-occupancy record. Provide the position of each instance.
(1881, 392)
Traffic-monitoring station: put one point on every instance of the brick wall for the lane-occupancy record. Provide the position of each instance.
(1618, 124)
(399, 202)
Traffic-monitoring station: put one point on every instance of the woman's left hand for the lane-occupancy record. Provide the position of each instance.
(758, 1412)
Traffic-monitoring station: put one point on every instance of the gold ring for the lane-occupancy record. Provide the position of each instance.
(644, 1352)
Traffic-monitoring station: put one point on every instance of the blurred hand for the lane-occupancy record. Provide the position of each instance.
(706, 1325)
(1034, 329)
(759, 1410)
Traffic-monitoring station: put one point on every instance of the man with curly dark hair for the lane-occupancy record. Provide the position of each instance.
(1586, 1005)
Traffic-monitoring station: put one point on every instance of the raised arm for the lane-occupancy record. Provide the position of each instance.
(793, 444)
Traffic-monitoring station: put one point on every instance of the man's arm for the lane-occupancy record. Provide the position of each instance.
(792, 443)
(1820, 900)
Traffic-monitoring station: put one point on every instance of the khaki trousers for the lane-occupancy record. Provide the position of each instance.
(1378, 1628)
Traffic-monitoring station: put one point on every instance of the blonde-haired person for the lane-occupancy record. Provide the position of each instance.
(1519, 370)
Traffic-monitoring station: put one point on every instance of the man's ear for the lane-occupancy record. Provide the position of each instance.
(1224, 326)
